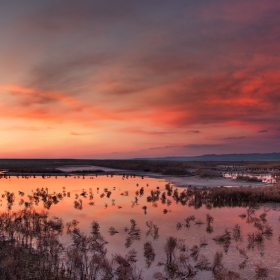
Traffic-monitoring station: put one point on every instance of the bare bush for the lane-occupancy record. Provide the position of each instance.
(203, 263)
(189, 219)
(149, 253)
(254, 238)
(194, 252)
(112, 231)
(217, 263)
(236, 233)
(224, 239)
(153, 230)
(261, 271)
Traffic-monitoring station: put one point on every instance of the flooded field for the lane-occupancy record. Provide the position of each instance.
(167, 233)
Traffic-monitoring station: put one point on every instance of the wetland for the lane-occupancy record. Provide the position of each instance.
(97, 225)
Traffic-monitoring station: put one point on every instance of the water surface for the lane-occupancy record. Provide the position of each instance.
(118, 208)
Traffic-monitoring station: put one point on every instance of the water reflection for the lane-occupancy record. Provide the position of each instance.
(126, 214)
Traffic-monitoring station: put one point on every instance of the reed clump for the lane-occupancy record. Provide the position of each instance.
(149, 253)
(261, 271)
(31, 249)
(208, 173)
(217, 196)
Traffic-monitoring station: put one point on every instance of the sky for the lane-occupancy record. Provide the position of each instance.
(149, 78)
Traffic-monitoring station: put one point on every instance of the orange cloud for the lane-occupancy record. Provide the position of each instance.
(23, 102)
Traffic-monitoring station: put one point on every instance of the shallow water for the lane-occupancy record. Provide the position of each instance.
(119, 212)
(266, 178)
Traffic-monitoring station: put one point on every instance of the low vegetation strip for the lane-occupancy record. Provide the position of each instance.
(166, 167)
(236, 196)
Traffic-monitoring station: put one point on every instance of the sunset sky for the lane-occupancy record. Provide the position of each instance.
(125, 79)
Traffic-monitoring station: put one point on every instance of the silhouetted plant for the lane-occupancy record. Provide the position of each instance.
(209, 220)
(261, 271)
(198, 222)
(134, 233)
(267, 231)
(242, 216)
(153, 230)
(112, 231)
(188, 220)
(243, 253)
(243, 264)
(125, 268)
(254, 238)
(236, 233)
(217, 263)
(209, 229)
(227, 274)
(78, 204)
(203, 242)
(194, 252)
(159, 276)
(179, 225)
(169, 248)
(145, 209)
(149, 253)
(203, 263)
(224, 239)
(263, 217)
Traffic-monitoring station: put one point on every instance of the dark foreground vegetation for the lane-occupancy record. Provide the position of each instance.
(31, 249)
(218, 196)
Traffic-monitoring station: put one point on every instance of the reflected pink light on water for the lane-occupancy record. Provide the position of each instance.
(119, 212)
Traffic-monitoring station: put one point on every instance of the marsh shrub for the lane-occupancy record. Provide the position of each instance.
(208, 173)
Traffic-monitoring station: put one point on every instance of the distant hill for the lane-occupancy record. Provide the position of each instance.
(224, 157)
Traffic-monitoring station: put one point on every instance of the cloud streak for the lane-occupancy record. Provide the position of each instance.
(234, 138)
